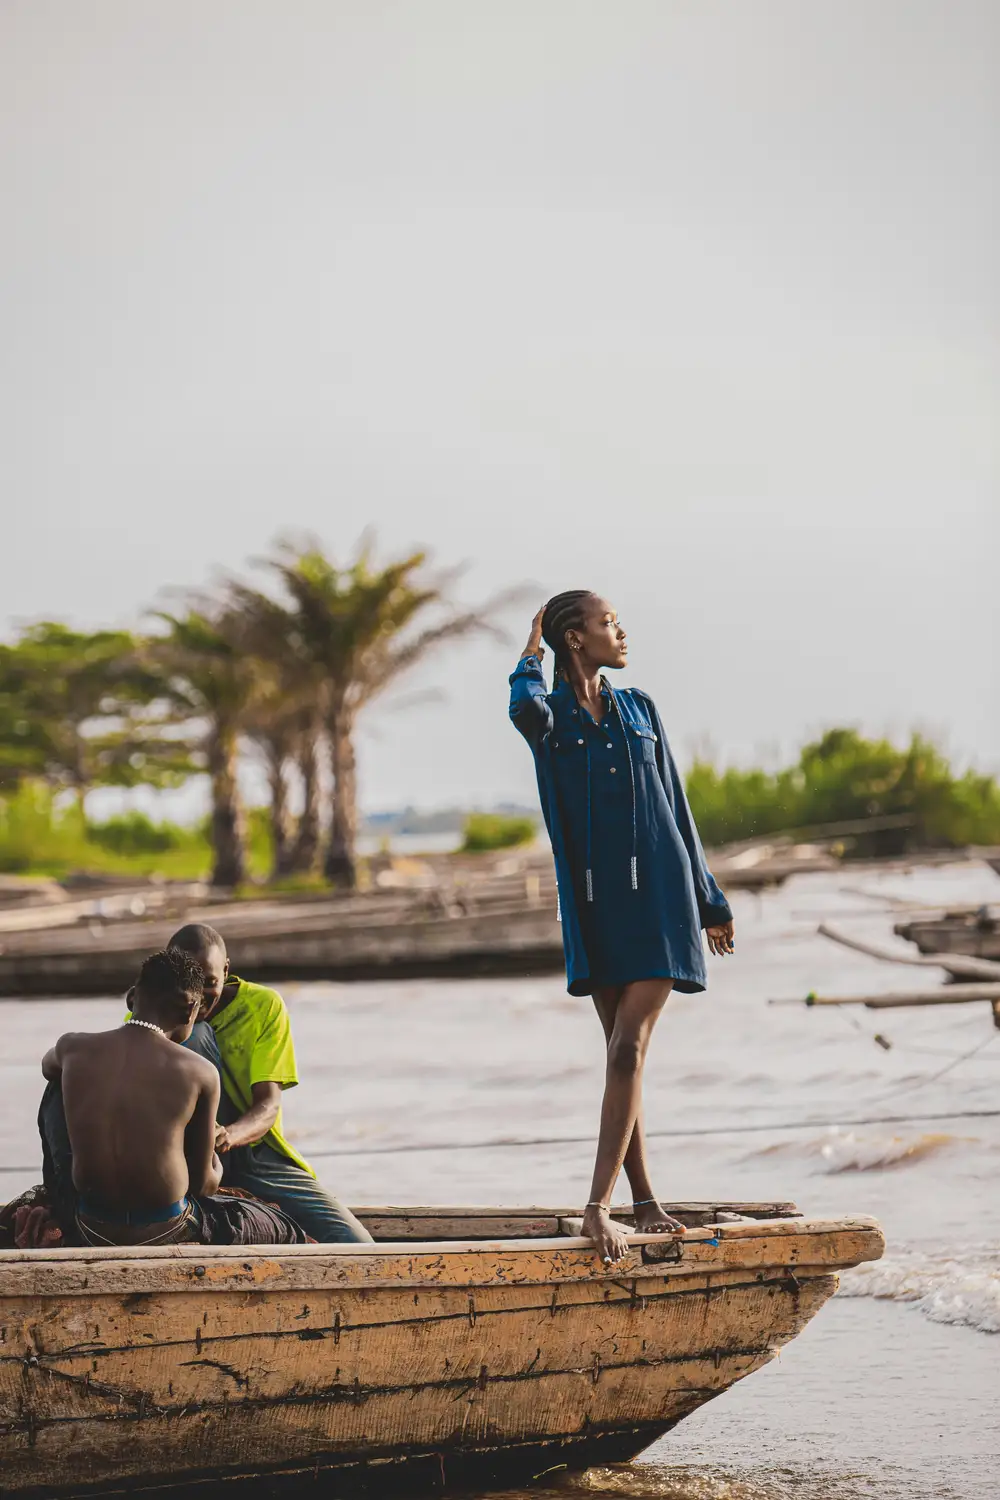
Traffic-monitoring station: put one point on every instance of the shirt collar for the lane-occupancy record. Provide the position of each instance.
(565, 686)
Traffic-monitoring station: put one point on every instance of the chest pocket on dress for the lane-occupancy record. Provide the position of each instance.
(647, 743)
(569, 752)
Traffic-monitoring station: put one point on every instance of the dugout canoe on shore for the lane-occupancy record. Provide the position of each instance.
(975, 933)
(466, 1345)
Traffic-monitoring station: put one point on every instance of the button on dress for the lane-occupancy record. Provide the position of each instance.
(634, 889)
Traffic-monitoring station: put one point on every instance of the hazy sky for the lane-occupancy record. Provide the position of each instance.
(696, 304)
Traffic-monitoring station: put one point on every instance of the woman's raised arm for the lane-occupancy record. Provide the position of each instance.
(529, 711)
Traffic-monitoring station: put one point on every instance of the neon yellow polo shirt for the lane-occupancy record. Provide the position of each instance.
(254, 1033)
(255, 1043)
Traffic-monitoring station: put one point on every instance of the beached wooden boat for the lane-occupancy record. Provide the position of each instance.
(976, 933)
(485, 1344)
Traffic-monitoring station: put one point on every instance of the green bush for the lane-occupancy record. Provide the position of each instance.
(135, 833)
(733, 805)
(485, 831)
(841, 778)
(37, 836)
(41, 834)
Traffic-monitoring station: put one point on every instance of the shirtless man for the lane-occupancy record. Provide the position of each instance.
(140, 1112)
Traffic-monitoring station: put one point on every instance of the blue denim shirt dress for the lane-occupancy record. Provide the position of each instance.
(634, 889)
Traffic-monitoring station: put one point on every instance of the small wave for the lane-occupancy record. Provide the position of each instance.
(962, 1289)
(843, 1150)
(651, 1481)
(848, 1152)
(648, 1482)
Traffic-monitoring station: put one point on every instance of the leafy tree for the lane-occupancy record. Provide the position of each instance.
(23, 743)
(74, 711)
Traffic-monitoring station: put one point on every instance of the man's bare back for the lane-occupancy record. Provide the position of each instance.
(140, 1108)
(134, 1100)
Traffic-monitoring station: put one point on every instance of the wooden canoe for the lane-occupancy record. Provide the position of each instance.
(465, 1344)
(976, 933)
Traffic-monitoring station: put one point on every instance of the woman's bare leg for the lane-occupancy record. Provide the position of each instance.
(649, 1214)
(636, 1013)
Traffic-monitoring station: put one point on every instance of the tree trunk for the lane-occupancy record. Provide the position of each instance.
(306, 847)
(281, 842)
(228, 828)
(80, 793)
(340, 866)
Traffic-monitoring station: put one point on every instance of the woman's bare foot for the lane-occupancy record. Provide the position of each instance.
(610, 1241)
(650, 1219)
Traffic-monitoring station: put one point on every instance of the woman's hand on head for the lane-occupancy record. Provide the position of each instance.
(720, 939)
(534, 646)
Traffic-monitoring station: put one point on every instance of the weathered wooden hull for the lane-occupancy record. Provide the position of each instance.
(490, 1360)
(516, 941)
(972, 933)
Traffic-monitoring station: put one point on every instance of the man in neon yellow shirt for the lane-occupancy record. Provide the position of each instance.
(244, 1030)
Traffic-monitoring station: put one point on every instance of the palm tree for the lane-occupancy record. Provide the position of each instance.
(284, 722)
(208, 679)
(305, 848)
(358, 626)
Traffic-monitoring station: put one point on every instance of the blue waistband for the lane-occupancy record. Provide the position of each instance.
(105, 1215)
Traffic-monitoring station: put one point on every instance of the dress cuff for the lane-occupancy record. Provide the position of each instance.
(528, 666)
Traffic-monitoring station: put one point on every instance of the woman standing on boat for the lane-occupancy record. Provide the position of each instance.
(634, 890)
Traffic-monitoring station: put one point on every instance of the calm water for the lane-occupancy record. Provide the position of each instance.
(892, 1391)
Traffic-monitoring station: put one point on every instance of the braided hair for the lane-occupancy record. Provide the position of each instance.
(563, 612)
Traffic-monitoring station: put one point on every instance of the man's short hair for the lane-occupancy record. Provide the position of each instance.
(199, 939)
(171, 981)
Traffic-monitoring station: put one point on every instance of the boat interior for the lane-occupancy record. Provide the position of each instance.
(395, 1224)
(462, 1227)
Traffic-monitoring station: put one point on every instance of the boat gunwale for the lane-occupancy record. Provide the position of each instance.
(710, 1235)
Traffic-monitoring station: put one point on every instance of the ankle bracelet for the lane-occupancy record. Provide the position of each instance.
(644, 1202)
(605, 1206)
